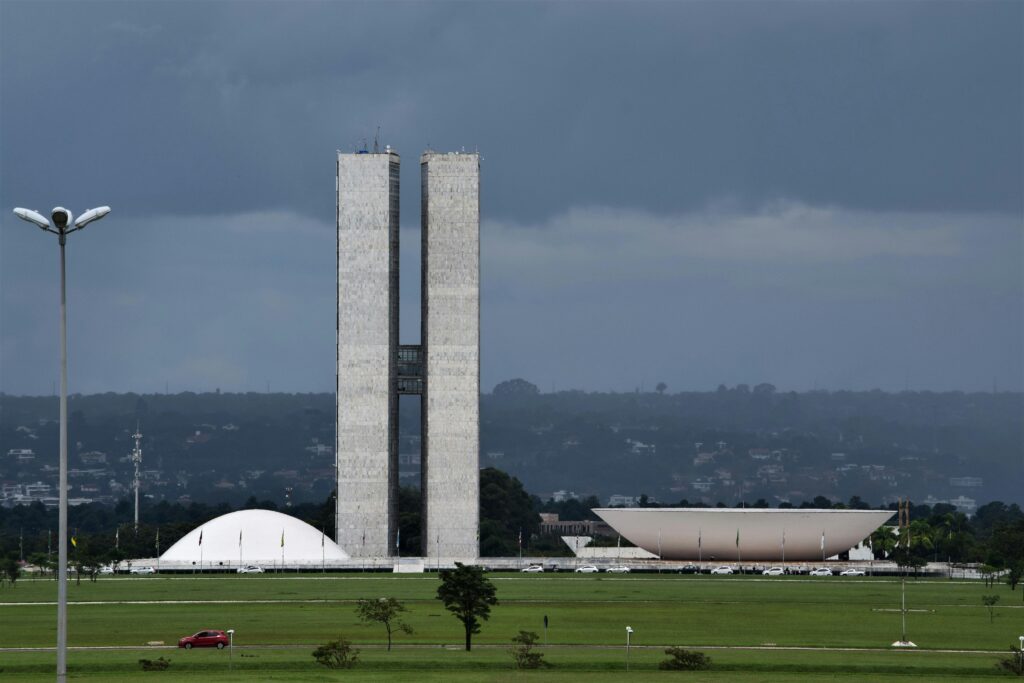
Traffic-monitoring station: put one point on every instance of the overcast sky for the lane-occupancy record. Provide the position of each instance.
(809, 194)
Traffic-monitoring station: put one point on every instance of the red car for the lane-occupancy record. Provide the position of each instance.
(217, 639)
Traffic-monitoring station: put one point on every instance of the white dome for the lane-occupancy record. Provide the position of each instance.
(254, 537)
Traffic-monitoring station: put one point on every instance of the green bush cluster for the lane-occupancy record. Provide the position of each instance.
(337, 654)
(681, 659)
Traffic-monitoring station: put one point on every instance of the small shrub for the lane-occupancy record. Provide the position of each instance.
(337, 654)
(158, 664)
(990, 602)
(522, 651)
(1013, 664)
(684, 660)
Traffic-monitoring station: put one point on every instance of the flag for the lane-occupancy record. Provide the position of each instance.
(200, 537)
(282, 538)
(74, 541)
(823, 539)
(398, 536)
(239, 538)
(737, 538)
(117, 538)
(783, 539)
(698, 537)
(322, 534)
(158, 541)
(520, 538)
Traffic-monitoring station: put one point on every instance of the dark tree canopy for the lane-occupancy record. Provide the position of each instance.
(516, 387)
(468, 595)
(506, 510)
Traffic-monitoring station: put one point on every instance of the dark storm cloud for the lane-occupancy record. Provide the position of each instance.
(609, 131)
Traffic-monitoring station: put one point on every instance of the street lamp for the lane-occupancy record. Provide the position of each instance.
(231, 648)
(62, 226)
(629, 631)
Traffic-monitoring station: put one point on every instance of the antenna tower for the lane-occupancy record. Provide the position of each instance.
(136, 460)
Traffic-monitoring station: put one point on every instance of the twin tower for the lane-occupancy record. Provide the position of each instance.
(373, 369)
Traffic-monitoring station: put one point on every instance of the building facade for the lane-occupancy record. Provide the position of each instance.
(450, 329)
(367, 337)
(373, 369)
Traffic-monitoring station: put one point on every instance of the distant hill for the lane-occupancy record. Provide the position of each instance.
(729, 445)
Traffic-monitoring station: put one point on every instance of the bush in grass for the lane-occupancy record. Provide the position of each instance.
(337, 654)
(1014, 663)
(522, 651)
(158, 664)
(684, 660)
(990, 602)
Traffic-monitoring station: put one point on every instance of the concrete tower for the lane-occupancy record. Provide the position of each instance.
(450, 186)
(367, 325)
(373, 370)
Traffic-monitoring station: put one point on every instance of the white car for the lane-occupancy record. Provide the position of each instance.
(774, 571)
(852, 572)
(142, 570)
(722, 570)
(249, 569)
(533, 569)
(106, 569)
(618, 570)
(586, 569)
(821, 571)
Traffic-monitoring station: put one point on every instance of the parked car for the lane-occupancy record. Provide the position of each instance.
(142, 570)
(533, 569)
(722, 570)
(821, 571)
(774, 571)
(106, 569)
(586, 569)
(690, 569)
(621, 569)
(217, 639)
(249, 569)
(853, 572)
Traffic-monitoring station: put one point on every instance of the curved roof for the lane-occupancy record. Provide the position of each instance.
(731, 534)
(254, 537)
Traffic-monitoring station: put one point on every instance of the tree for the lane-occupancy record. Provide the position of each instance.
(10, 568)
(506, 511)
(661, 387)
(468, 595)
(516, 387)
(385, 611)
(990, 602)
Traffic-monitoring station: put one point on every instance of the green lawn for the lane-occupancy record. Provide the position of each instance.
(587, 615)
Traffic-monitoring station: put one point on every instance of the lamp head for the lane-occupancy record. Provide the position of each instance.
(61, 218)
(34, 217)
(629, 629)
(91, 215)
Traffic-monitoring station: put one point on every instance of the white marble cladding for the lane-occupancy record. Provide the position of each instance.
(367, 326)
(450, 184)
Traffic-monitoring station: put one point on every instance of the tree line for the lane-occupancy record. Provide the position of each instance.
(509, 524)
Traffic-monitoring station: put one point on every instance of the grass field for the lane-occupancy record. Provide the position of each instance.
(279, 619)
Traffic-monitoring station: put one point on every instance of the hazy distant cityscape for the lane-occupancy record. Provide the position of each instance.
(735, 445)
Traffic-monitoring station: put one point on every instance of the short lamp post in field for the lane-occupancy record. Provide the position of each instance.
(62, 226)
(629, 632)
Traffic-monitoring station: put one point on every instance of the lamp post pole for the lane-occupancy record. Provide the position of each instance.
(62, 226)
(629, 631)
